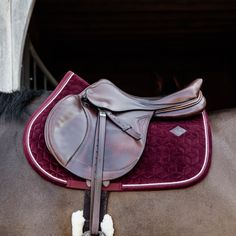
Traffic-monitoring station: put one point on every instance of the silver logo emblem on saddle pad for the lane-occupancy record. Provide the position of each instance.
(178, 131)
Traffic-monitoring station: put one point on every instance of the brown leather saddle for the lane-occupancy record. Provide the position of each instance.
(100, 134)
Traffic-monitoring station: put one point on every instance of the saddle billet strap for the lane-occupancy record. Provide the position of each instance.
(97, 172)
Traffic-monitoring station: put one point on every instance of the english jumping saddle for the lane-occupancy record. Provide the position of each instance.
(100, 134)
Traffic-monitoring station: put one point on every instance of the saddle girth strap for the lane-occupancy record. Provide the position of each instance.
(97, 172)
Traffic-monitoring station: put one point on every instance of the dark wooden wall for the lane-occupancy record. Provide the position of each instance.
(134, 43)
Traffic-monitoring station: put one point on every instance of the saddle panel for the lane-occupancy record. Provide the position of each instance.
(70, 132)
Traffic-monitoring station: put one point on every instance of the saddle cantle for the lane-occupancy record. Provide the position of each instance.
(100, 134)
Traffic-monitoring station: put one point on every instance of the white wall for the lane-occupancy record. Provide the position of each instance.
(14, 20)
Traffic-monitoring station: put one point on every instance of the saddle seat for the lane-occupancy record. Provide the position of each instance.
(104, 94)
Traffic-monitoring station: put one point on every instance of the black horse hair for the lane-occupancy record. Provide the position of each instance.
(12, 105)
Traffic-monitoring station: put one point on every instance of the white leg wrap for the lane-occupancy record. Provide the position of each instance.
(107, 225)
(77, 221)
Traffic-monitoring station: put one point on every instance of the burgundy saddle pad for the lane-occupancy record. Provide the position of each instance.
(177, 152)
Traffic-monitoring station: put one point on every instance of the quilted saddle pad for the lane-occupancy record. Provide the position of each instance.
(177, 152)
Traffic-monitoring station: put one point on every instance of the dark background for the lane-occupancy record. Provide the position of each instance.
(138, 43)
